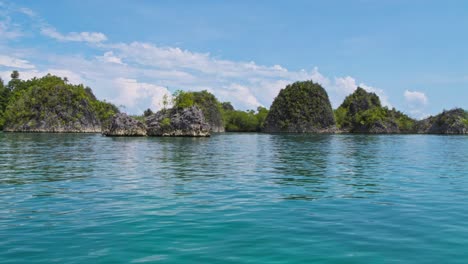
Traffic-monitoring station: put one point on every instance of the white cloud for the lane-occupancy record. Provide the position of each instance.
(91, 37)
(417, 102)
(345, 85)
(9, 61)
(111, 58)
(143, 72)
(27, 11)
(240, 94)
(72, 77)
(131, 91)
(415, 98)
(9, 31)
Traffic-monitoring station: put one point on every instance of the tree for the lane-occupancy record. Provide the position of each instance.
(165, 101)
(4, 96)
(14, 75)
(183, 99)
(15, 82)
(147, 112)
(227, 106)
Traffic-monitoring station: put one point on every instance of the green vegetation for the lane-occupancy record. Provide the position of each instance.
(300, 107)
(4, 96)
(183, 99)
(166, 122)
(51, 99)
(221, 116)
(147, 112)
(244, 121)
(452, 116)
(454, 121)
(207, 102)
(363, 112)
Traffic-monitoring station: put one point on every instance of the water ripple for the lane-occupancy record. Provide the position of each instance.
(233, 198)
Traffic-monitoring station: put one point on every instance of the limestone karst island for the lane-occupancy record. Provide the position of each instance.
(233, 132)
(51, 104)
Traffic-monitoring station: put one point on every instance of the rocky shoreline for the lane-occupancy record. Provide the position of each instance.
(186, 122)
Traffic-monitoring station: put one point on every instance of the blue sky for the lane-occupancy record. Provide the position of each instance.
(411, 53)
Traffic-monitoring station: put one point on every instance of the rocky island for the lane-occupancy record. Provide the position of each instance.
(123, 125)
(302, 107)
(362, 112)
(178, 122)
(454, 121)
(51, 104)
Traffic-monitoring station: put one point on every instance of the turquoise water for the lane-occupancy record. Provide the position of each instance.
(233, 198)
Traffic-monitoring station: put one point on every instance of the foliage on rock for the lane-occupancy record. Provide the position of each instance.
(362, 112)
(299, 108)
(207, 102)
(50, 104)
(454, 121)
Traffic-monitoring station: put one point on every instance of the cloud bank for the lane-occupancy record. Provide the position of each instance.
(137, 74)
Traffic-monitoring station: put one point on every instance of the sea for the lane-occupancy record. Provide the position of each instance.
(233, 198)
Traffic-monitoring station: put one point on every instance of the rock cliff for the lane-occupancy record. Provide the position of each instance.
(50, 104)
(178, 122)
(123, 125)
(454, 121)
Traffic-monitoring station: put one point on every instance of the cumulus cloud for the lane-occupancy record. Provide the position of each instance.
(417, 102)
(72, 77)
(9, 61)
(111, 58)
(91, 37)
(239, 93)
(344, 86)
(131, 91)
(138, 74)
(415, 97)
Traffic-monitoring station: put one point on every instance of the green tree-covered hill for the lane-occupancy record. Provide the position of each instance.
(301, 107)
(362, 112)
(51, 104)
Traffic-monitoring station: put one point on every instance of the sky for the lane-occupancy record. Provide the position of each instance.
(413, 54)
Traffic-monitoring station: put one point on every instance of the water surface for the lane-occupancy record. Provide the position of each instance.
(233, 198)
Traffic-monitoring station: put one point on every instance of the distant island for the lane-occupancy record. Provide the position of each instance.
(51, 104)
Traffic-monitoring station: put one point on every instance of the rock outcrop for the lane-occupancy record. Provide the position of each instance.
(454, 121)
(362, 112)
(44, 111)
(211, 109)
(177, 122)
(123, 125)
(207, 102)
(301, 107)
(51, 104)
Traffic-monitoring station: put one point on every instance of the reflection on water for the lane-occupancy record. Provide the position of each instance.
(29, 158)
(240, 198)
